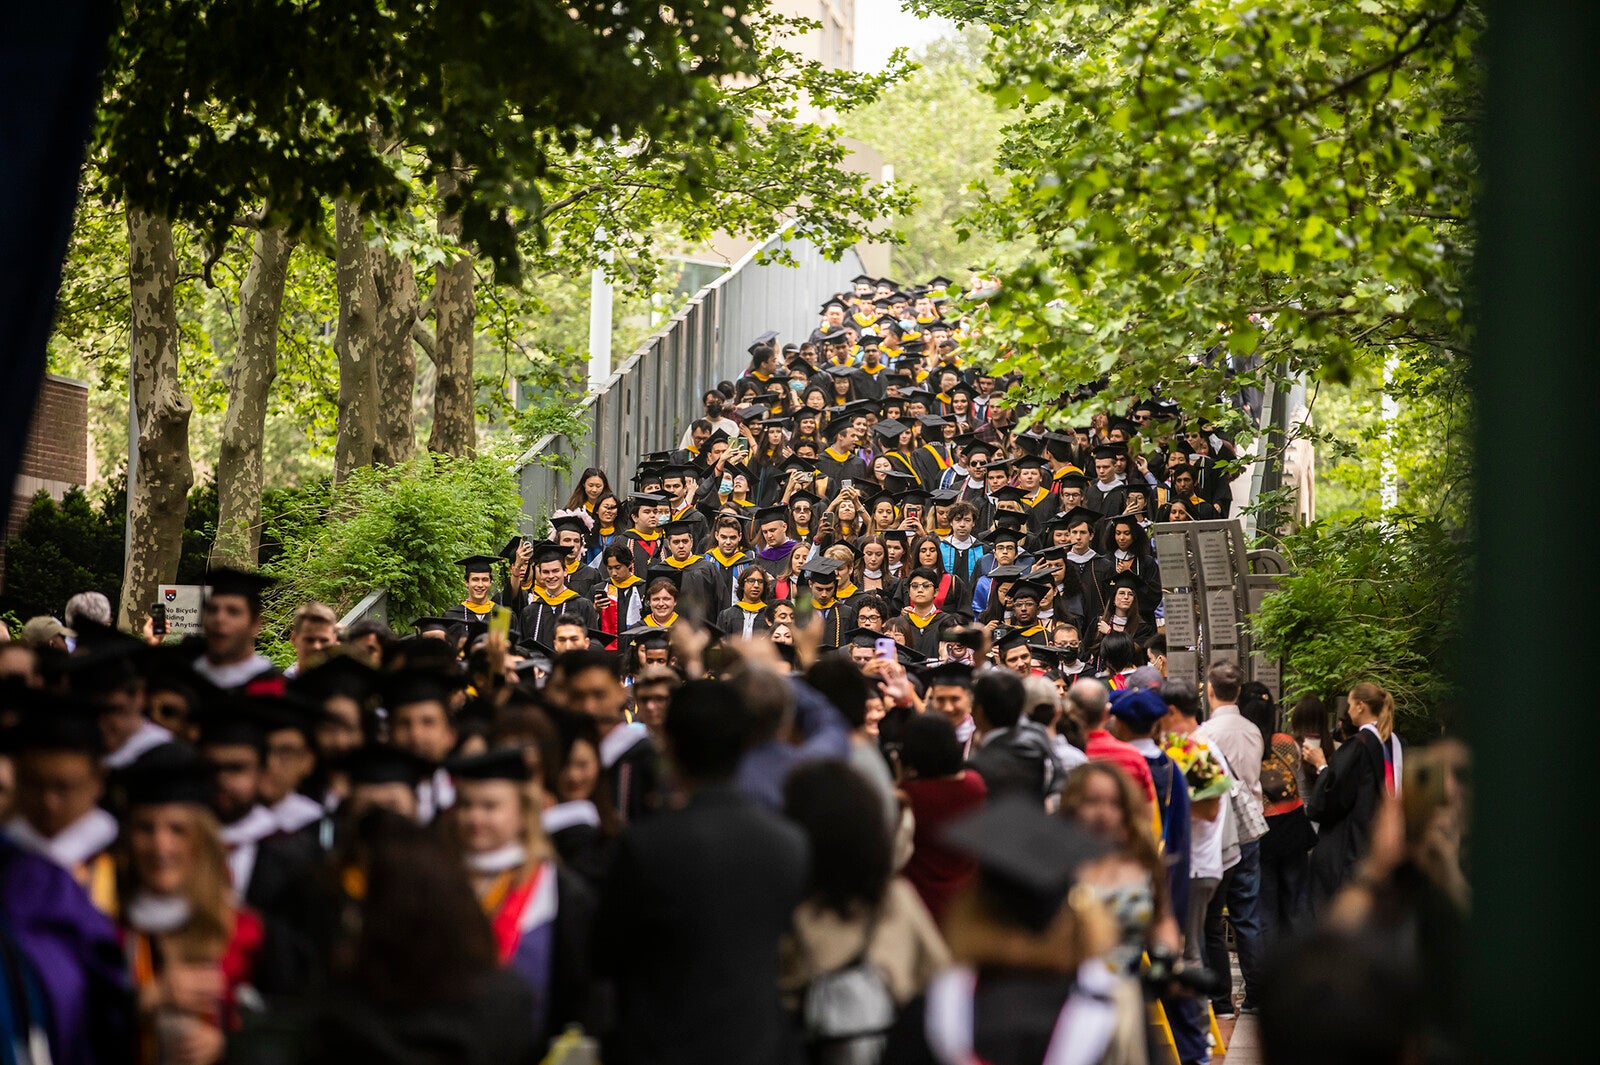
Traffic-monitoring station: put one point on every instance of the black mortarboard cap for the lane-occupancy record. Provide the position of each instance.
(767, 515)
(569, 523)
(545, 551)
(660, 570)
(821, 569)
(1028, 859)
(434, 624)
(417, 686)
(502, 763)
(1028, 589)
(999, 535)
(1076, 516)
(950, 673)
(1128, 580)
(477, 564)
(1010, 492)
(889, 429)
(381, 763)
(680, 527)
(648, 634)
(225, 580)
(168, 773)
(343, 675)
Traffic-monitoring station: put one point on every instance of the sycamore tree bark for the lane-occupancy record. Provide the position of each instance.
(395, 286)
(354, 342)
(158, 499)
(255, 366)
(454, 312)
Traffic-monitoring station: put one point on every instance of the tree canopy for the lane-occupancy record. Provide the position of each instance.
(1286, 185)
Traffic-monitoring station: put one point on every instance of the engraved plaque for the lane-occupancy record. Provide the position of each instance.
(1222, 619)
(1216, 557)
(1183, 665)
(1172, 552)
(1180, 620)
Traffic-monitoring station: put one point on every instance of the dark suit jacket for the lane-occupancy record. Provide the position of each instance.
(689, 926)
(1344, 803)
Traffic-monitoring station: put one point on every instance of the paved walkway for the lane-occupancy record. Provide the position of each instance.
(1244, 1041)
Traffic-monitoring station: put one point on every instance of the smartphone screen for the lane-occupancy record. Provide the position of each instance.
(885, 648)
(158, 619)
(914, 513)
(844, 484)
(500, 621)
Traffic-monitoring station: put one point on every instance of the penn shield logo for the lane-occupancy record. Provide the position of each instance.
(169, 594)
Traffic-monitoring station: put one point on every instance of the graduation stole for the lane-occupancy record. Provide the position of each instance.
(740, 502)
(1037, 497)
(724, 561)
(829, 605)
(608, 530)
(872, 371)
(672, 619)
(836, 456)
(1063, 471)
(905, 463)
(864, 320)
(1036, 630)
(676, 515)
(572, 567)
(924, 319)
(804, 534)
(750, 608)
(845, 593)
(555, 600)
(488, 608)
(650, 537)
(759, 376)
(920, 622)
(618, 587)
(943, 460)
(691, 560)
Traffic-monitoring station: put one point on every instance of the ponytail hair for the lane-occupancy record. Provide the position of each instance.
(1379, 703)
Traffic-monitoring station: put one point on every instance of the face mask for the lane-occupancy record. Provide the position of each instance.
(727, 486)
(908, 324)
(1070, 649)
(713, 409)
(797, 385)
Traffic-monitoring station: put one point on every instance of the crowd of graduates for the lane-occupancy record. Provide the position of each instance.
(841, 734)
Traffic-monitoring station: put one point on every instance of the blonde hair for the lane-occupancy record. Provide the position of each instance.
(212, 907)
(313, 611)
(530, 805)
(1379, 703)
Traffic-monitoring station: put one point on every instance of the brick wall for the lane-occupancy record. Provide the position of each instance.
(57, 454)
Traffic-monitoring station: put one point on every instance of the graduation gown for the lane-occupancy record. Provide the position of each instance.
(1149, 574)
(726, 572)
(732, 620)
(838, 469)
(645, 550)
(542, 613)
(1040, 507)
(697, 585)
(1094, 575)
(837, 619)
(925, 634)
(964, 562)
(627, 607)
(1109, 502)
(631, 768)
(930, 461)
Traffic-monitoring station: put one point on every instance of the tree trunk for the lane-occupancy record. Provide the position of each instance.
(255, 366)
(158, 498)
(355, 343)
(395, 284)
(455, 396)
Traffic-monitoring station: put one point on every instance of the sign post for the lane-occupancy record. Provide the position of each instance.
(183, 603)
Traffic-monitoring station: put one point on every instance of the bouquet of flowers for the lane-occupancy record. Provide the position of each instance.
(1198, 766)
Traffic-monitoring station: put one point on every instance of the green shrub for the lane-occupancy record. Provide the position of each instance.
(399, 528)
(62, 549)
(1372, 600)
